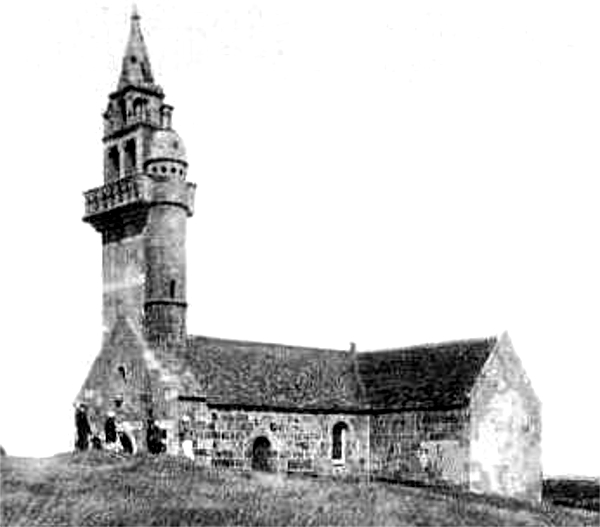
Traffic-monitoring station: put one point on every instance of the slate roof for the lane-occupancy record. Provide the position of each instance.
(276, 376)
(136, 69)
(273, 375)
(430, 376)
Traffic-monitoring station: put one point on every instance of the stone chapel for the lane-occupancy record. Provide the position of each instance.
(462, 413)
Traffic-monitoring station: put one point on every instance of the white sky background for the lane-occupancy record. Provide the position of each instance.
(389, 173)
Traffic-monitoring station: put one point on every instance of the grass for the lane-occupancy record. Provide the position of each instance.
(573, 492)
(98, 488)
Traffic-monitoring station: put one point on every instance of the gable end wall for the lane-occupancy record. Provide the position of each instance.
(505, 450)
(145, 385)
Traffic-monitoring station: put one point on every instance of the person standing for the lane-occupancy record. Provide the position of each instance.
(186, 436)
(82, 426)
(110, 431)
(96, 442)
(125, 444)
(153, 436)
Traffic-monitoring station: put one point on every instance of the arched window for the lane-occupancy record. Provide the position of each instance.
(123, 109)
(165, 116)
(122, 372)
(113, 163)
(338, 445)
(140, 108)
(172, 289)
(130, 157)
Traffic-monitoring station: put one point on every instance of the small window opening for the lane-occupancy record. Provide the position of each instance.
(338, 441)
(133, 59)
(165, 117)
(163, 169)
(138, 107)
(113, 163)
(172, 289)
(123, 108)
(130, 156)
(122, 372)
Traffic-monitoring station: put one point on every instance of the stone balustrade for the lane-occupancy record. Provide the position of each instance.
(116, 194)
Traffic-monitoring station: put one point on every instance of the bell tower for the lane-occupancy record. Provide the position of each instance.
(142, 208)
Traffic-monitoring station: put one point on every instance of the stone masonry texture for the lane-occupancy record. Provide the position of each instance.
(459, 413)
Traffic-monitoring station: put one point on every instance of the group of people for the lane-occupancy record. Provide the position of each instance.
(156, 436)
(116, 440)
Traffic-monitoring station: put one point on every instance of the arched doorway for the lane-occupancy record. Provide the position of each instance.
(261, 454)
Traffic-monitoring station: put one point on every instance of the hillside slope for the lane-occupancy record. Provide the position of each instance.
(103, 489)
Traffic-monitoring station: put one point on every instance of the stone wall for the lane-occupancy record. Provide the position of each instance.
(127, 379)
(426, 446)
(124, 269)
(165, 256)
(299, 442)
(505, 429)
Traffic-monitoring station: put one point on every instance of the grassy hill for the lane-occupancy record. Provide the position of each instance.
(103, 489)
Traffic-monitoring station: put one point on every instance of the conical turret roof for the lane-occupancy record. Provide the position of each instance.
(136, 69)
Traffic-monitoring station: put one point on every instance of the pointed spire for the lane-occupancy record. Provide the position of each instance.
(136, 68)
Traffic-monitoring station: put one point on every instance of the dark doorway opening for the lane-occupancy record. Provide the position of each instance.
(261, 454)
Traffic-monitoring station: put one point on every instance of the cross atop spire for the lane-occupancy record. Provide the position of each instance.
(136, 70)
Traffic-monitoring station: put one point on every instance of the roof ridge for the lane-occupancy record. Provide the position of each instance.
(191, 338)
(434, 345)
